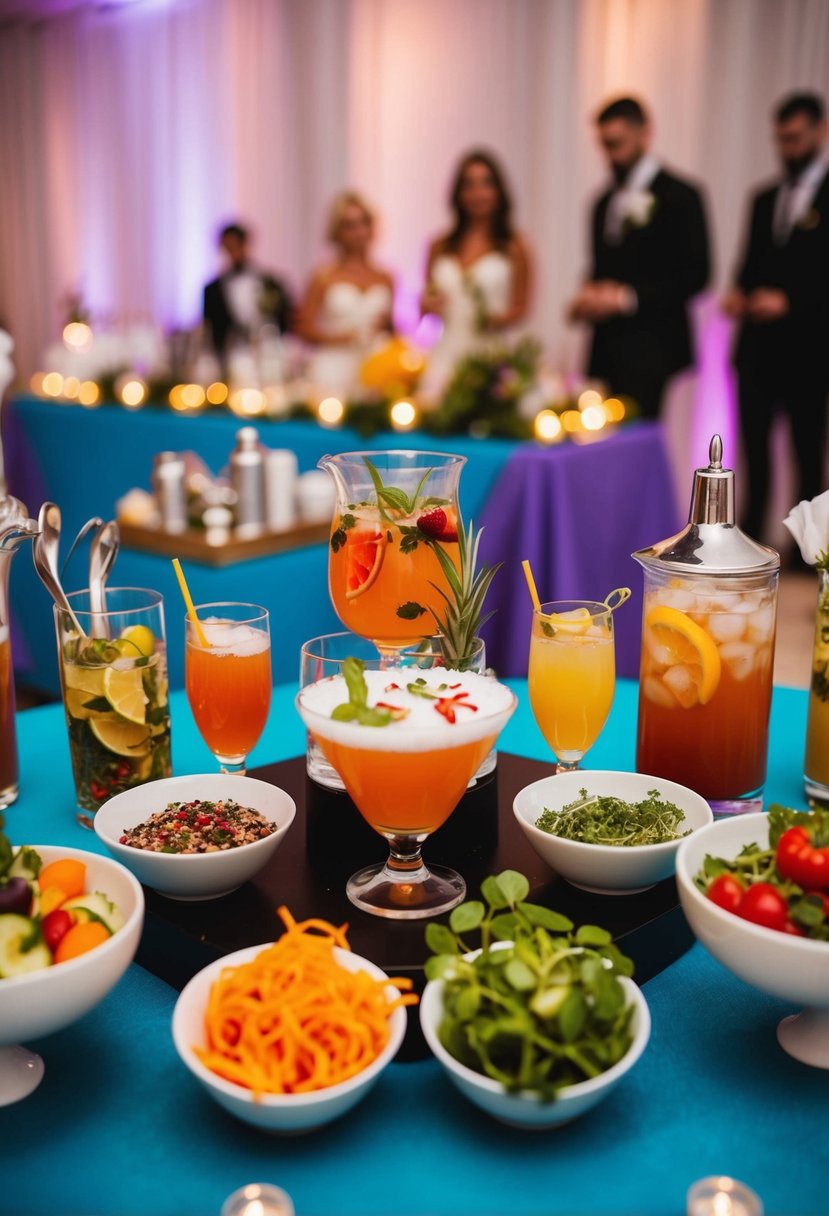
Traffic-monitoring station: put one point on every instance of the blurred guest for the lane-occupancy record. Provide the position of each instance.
(650, 256)
(781, 299)
(348, 302)
(478, 273)
(244, 298)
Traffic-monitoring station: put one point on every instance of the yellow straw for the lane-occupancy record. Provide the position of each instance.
(188, 599)
(528, 575)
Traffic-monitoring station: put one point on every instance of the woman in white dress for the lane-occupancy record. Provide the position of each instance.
(348, 303)
(478, 273)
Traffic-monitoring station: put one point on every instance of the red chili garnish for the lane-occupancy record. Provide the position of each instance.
(182, 815)
(458, 685)
(446, 706)
(99, 792)
(123, 770)
(203, 820)
(122, 840)
(392, 688)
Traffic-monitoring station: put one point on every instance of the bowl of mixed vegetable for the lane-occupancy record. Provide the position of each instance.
(541, 1021)
(70, 922)
(196, 837)
(755, 890)
(609, 832)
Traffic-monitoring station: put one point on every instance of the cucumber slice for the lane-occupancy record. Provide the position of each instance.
(22, 948)
(96, 907)
(27, 864)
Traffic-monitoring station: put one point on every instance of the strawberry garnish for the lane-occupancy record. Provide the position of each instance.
(435, 525)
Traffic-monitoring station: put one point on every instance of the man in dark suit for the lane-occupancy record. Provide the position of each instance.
(781, 298)
(243, 299)
(650, 256)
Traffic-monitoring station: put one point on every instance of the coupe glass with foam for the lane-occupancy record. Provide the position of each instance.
(229, 681)
(707, 650)
(407, 776)
(383, 575)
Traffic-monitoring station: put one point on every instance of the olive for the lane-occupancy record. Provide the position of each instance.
(15, 896)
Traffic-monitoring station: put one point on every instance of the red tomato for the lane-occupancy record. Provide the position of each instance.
(54, 927)
(726, 891)
(763, 904)
(793, 928)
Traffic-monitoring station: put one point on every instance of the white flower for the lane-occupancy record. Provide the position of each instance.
(638, 207)
(808, 523)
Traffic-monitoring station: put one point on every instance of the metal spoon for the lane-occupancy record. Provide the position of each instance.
(89, 526)
(103, 551)
(45, 553)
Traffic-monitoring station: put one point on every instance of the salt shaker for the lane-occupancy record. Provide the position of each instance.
(247, 476)
(280, 489)
(170, 491)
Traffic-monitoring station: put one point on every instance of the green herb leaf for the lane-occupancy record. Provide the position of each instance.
(545, 918)
(514, 885)
(519, 976)
(612, 821)
(355, 681)
(592, 935)
(410, 611)
(439, 939)
(338, 539)
(464, 918)
(494, 894)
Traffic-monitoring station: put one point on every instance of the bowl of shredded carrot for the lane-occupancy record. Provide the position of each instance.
(291, 1035)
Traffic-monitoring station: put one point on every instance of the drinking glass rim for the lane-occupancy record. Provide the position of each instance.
(155, 600)
(372, 454)
(259, 615)
(553, 606)
(410, 651)
(419, 731)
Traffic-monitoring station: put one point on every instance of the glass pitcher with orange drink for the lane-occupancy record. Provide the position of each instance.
(707, 650)
(383, 574)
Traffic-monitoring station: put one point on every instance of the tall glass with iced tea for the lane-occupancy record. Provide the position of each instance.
(708, 632)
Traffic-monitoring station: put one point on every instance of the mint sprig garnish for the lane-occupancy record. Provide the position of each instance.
(393, 497)
(356, 708)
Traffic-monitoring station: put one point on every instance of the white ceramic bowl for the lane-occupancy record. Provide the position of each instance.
(526, 1110)
(42, 1002)
(195, 876)
(794, 968)
(606, 869)
(276, 1112)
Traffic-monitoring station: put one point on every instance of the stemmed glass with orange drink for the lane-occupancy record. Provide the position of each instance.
(384, 577)
(227, 674)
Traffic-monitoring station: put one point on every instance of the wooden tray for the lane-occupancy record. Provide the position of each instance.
(329, 840)
(192, 545)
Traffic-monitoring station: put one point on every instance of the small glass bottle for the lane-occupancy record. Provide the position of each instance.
(247, 477)
(707, 650)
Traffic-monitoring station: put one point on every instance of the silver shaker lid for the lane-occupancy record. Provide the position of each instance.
(711, 543)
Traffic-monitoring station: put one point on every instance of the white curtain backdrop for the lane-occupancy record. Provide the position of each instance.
(129, 131)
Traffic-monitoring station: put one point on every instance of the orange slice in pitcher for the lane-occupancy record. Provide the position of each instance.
(363, 558)
(686, 645)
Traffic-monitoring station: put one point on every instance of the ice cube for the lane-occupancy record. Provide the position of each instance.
(761, 624)
(726, 626)
(684, 684)
(660, 655)
(739, 657)
(654, 690)
(677, 597)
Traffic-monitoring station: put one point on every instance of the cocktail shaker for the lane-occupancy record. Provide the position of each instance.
(707, 650)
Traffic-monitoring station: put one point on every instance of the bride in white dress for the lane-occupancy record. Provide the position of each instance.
(348, 303)
(478, 275)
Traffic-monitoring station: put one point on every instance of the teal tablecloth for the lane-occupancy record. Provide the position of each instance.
(117, 1128)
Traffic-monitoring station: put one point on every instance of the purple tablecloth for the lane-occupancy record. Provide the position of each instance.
(577, 512)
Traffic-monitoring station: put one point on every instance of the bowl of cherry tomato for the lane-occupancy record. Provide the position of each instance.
(755, 891)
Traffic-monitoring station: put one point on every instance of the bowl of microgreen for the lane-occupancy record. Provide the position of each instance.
(196, 837)
(541, 1021)
(755, 891)
(608, 832)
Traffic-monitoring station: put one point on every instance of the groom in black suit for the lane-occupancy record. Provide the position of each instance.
(781, 299)
(650, 256)
(244, 298)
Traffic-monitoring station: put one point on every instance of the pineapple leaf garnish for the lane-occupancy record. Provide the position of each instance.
(391, 496)
(461, 620)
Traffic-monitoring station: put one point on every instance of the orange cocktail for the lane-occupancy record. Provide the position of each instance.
(383, 574)
(705, 689)
(406, 756)
(229, 681)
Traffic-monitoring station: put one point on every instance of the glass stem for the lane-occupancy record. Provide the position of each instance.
(567, 766)
(404, 854)
(227, 766)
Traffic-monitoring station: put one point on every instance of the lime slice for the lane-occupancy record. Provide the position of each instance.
(122, 738)
(76, 707)
(141, 638)
(125, 692)
(85, 679)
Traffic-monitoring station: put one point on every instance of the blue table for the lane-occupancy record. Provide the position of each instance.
(118, 1128)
